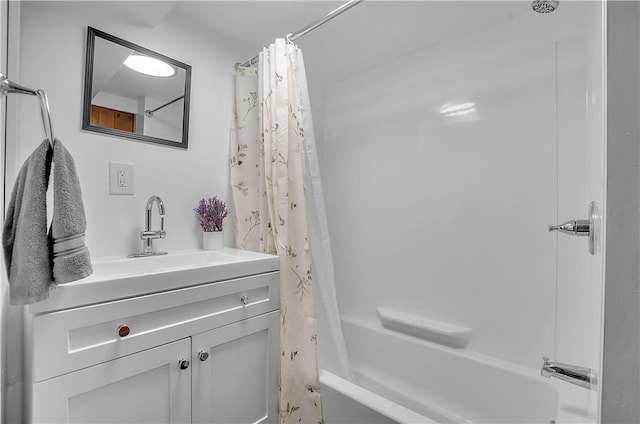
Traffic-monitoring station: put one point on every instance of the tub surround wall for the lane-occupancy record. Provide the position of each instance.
(52, 52)
(456, 205)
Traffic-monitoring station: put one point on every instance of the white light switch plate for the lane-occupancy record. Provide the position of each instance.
(121, 178)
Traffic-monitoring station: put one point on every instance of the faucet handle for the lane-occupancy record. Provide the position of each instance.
(145, 235)
(162, 223)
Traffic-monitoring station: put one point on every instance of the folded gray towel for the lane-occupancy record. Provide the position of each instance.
(71, 259)
(24, 236)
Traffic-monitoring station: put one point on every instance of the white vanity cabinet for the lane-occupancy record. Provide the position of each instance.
(201, 352)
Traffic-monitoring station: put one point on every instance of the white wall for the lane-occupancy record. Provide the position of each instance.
(446, 217)
(52, 57)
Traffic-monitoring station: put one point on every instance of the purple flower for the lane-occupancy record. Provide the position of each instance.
(211, 212)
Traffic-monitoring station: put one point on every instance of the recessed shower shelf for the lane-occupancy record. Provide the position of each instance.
(435, 331)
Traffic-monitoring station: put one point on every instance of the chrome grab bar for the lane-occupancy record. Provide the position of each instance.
(580, 376)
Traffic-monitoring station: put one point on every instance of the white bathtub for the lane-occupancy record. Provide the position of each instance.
(344, 402)
(406, 380)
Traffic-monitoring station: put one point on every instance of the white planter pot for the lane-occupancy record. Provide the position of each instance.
(212, 240)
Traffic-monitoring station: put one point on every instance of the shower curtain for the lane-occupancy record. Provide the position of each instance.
(271, 142)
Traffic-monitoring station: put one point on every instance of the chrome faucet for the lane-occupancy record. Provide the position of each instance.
(148, 235)
(580, 376)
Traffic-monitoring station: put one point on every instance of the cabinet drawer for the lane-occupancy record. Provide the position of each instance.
(72, 339)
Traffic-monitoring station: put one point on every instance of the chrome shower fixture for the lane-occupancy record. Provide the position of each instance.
(544, 6)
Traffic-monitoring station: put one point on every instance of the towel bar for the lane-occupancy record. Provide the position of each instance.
(8, 87)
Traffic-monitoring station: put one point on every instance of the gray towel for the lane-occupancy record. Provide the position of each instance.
(24, 237)
(71, 259)
(35, 261)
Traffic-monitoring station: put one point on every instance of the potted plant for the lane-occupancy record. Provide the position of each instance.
(211, 214)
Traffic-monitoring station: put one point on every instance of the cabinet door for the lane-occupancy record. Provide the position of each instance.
(238, 382)
(146, 387)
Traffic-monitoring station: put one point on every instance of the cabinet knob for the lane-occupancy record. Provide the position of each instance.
(244, 300)
(184, 364)
(123, 330)
(203, 355)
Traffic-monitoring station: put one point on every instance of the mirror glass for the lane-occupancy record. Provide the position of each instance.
(122, 99)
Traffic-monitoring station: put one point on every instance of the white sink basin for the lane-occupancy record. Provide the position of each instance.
(118, 277)
(115, 266)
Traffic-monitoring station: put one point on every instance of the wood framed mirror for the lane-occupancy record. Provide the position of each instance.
(123, 100)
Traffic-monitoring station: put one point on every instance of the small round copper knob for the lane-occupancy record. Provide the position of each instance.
(184, 364)
(123, 330)
(244, 300)
(203, 355)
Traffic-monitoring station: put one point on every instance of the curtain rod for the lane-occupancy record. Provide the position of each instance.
(149, 113)
(310, 27)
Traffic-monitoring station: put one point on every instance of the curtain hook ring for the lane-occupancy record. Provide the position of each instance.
(289, 38)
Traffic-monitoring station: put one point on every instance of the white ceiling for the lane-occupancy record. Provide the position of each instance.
(254, 22)
(372, 33)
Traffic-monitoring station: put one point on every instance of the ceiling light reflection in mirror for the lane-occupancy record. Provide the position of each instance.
(149, 66)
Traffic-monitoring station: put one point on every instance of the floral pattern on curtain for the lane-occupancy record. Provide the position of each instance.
(267, 159)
